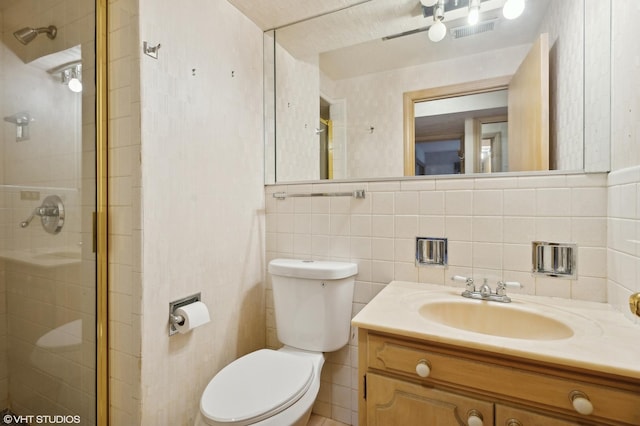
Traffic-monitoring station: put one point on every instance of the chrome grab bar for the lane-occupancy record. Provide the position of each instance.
(358, 193)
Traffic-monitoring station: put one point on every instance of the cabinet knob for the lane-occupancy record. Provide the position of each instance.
(581, 402)
(474, 418)
(423, 369)
(513, 422)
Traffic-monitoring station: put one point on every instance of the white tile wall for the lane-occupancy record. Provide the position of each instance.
(125, 215)
(490, 223)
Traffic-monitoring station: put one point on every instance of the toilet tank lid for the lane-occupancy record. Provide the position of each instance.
(312, 269)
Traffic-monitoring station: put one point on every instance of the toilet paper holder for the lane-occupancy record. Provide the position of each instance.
(178, 319)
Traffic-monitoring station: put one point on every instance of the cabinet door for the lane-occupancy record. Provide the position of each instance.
(509, 416)
(392, 402)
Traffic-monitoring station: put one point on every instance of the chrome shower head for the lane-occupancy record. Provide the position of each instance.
(26, 35)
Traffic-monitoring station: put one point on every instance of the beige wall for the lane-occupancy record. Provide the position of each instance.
(624, 180)
(186, 201)
(298, 115)
(375, 100)
(625, 99)
(566, 82)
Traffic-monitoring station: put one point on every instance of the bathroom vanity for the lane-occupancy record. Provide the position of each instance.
(416, 368)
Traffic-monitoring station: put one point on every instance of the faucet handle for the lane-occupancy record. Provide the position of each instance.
(468, 280)
(502, 286)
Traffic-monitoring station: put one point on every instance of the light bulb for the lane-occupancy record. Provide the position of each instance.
(428, 3)
(75, 85)
(437, 31)
(474, 12)
(474, 16)
(513, 8)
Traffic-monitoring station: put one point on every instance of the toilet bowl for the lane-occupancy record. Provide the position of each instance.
(267, 387)
(263, 388)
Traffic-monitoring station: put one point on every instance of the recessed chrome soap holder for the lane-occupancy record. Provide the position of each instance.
(558, 260)
(431, 251)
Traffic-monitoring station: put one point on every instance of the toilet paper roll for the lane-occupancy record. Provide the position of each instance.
(194, 314)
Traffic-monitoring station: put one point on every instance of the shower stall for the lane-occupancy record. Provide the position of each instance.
(48, 191)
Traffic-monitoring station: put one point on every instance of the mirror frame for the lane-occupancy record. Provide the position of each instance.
(443, 92)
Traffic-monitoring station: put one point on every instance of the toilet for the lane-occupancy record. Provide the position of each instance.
(312, 303)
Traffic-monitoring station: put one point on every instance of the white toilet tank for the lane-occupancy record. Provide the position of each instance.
(313, 302)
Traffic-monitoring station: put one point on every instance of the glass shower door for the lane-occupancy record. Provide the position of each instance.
(47, 200)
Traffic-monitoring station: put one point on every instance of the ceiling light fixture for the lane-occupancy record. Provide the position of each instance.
(513, 8)
(435, 9)
(438, 30)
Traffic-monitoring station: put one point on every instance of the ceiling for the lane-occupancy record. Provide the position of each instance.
(269, 14)
(349, 41)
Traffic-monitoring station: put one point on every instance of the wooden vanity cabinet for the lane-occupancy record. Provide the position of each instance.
(407, 381)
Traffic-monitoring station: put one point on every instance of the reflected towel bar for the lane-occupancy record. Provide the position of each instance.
(359, 193)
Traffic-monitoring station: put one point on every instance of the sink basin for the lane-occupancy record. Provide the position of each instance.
(496, 319)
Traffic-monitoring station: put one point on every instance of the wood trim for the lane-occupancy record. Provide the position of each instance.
(438, 138)
(410, 98)
(477, 136)
(362, 372)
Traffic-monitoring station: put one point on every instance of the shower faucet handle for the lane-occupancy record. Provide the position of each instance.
(51, 213)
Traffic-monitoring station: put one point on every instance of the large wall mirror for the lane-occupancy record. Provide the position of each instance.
(346, 91)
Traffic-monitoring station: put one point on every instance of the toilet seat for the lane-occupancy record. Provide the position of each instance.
(256, 386)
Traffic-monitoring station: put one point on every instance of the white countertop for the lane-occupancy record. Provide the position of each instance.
(603, 340)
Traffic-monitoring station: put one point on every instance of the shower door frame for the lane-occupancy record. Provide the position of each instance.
(100, 219)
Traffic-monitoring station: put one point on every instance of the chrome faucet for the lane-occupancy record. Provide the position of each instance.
(485, 292)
